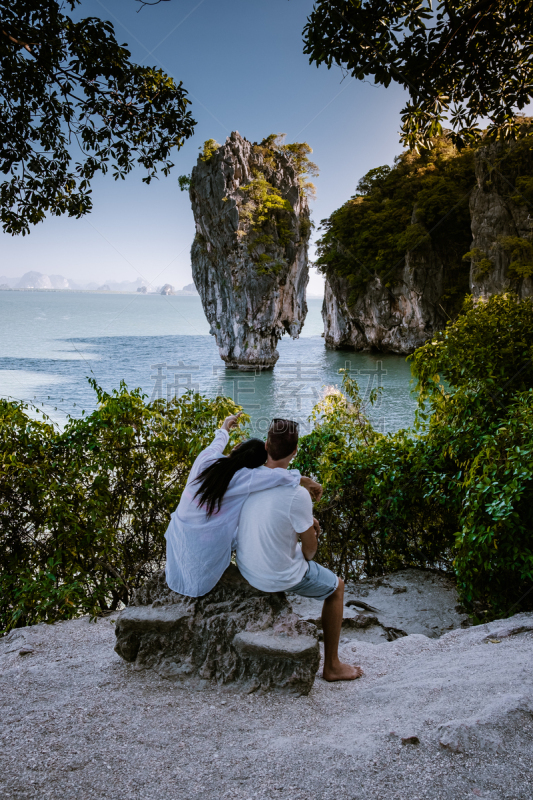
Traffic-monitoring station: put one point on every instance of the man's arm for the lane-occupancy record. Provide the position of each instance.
(310, 540)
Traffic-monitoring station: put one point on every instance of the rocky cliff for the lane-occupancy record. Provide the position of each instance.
(249, 256)
(502, 255)
(400, 309)
(391, 319)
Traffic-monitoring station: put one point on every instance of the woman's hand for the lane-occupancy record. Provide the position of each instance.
(314, 488)
(231, 422)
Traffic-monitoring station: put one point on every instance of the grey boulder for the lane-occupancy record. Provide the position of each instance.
(235, 635)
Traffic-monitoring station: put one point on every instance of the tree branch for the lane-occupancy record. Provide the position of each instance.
(146, 3)
(27, 46)
(468, 17)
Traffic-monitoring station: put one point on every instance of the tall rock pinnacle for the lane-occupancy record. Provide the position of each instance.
(249, 255)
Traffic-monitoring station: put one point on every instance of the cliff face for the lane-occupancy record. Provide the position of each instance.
(420, 298)
(249, 256)
(394, 319)
(498, 212)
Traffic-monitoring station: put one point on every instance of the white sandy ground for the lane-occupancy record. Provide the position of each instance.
(77, 722)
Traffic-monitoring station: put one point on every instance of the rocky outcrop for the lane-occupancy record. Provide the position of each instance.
(498, 212)
(398, 312)
(249, 256)
(235, 635)
(378, 610)
(392, 317)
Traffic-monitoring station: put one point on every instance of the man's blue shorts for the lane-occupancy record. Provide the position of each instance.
(318, 582)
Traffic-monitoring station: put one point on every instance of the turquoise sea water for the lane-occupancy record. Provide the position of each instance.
(50, 343)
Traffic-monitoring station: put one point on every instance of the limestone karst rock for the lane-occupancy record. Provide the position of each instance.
(498, 212)
(249, 256)
(394, 318)
(235, 635)
(401, 316)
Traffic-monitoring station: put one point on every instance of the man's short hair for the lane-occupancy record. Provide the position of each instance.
(282, 439)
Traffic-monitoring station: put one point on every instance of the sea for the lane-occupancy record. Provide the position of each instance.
(51, 342)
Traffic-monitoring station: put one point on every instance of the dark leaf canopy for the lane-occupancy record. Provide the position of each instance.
(68, 90)
(460, 61)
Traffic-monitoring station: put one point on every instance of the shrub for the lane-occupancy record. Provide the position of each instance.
(83, 511)
(209, 149)
(381, 509)
(521, 252)
(455, 492)
(482, 422)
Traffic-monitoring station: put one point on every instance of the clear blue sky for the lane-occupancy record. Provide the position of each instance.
(243, 65)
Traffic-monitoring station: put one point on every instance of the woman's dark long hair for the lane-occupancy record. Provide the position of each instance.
(216, 478)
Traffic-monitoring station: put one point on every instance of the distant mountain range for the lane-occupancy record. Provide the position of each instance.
(36, 280)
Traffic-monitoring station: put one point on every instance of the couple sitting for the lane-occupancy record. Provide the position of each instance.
(251, 501)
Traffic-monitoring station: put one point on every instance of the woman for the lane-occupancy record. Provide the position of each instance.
(203, 528)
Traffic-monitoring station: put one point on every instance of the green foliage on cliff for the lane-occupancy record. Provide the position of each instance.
(482, 263)
(270, 218)
(83, 512)
(263, 200)
(298, 152)
(419, 205)
(521, 253)
(209, 149)
(457, 491)
(184, 182)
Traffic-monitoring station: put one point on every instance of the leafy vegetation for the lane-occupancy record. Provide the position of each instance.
(482, 263)
(208, 150)
(460, 61)
(270, 222)
(418, 205)
(83, 511)
(70, 86)
(457, 491)
(521, 252)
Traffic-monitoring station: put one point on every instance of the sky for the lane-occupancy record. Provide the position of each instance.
(243, 65)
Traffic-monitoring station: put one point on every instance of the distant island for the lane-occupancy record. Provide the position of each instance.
(37, 281)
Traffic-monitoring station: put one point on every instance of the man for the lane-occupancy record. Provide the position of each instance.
(269, 556)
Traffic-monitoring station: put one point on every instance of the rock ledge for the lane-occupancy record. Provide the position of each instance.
(235, 635)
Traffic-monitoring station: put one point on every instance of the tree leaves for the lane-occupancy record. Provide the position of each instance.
(70, 88)
(458, 60)
(83, 511)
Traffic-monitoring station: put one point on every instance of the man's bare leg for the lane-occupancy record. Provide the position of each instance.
(332, 614)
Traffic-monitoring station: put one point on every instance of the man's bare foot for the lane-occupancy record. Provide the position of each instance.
(341, 672)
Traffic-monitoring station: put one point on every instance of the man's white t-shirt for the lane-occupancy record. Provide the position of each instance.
(268, 553)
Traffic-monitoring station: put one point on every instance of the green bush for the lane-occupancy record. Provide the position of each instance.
(482, 422)
(83, 511)
(208, 150)
(454, 493)
(383, 507)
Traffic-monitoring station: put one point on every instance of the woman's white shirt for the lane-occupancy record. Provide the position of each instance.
(199, 548)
